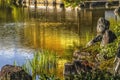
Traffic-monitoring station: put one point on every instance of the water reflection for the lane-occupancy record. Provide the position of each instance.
(10, 46)
(57, 29)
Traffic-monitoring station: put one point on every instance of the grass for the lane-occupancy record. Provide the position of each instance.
(43, 62)
(96, 75)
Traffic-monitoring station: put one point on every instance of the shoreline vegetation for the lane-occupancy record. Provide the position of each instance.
(47, 60)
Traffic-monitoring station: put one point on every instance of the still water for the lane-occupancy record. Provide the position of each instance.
(25, 30)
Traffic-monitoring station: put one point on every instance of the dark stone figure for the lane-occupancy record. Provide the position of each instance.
(108, 37)
(102, 24)
(103, 33)
(10, 72)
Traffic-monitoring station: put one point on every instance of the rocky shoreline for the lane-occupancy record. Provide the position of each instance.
(11, 72)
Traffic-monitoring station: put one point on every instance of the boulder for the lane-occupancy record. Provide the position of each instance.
(77, 66)
(69, 69)
(10, 72)
(82, 65)
(80, 55)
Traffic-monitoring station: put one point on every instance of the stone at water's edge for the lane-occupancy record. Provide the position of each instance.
(10, 72)
(69, 69)
(76, 67)
(80, 55)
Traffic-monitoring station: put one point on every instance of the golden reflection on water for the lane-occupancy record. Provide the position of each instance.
(49, 36)
(60, 67)
(57, 30)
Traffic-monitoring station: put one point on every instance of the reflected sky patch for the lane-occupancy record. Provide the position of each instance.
(11, 49)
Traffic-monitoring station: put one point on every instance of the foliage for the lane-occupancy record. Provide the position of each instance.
(107, 64)
(110, 49)
(5, 3)
(117, 31)
(43, 62)
(96, 75)
(68, 52)
(48, 77)
(72, 3)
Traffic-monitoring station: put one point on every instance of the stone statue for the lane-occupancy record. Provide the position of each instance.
(103, 33)
(11, 72)
(102, 25)
(108, 37)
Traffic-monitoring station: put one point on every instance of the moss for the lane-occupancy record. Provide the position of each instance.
(105, 65)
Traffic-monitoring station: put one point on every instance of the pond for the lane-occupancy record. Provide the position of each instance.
(26, 30)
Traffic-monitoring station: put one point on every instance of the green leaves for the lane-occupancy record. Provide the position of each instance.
(96, 75)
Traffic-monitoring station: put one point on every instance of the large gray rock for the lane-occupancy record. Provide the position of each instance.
(10, 72)
(80, 55)
(69, 69)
